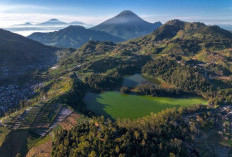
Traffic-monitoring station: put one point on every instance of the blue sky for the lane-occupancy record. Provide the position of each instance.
(96, 11)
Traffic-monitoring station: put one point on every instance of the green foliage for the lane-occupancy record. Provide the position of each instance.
(153, 90)
(158, 135)
(185, 77)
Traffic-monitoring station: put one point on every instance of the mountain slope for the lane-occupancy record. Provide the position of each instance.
(127, 25)
(72, 37)
(20, 56)
(184, 38)
(103, 65)
(206, 48)
(16, 49)
(176, 39)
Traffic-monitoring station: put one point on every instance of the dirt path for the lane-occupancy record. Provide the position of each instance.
(70, 121)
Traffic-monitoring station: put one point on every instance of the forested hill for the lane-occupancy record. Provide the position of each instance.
(183, 38)
(185, 58)
(72, 37)
(176, 38)
(190, 56)
(18, 50)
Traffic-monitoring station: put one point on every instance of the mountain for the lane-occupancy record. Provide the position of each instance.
(158, 24)
(184, 38)
(26, 24)
(53, 22)
(72, 37)
(182, 59)
(127, 25)
(48, 26)
(58, 22)
(16, 49)
(76, 23)
(176, 39)
(19, 54)
(207, 48)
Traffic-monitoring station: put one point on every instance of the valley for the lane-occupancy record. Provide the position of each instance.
(166, 93)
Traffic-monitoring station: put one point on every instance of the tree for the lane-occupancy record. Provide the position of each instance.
(92, 154)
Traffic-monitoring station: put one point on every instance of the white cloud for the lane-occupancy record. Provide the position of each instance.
(18, 14)
(11, 19)
(211, 20)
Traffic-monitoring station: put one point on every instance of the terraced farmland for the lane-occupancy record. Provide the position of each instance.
(27, 126)
(46, 115)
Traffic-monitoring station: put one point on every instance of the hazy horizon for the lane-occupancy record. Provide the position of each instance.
(16, 12)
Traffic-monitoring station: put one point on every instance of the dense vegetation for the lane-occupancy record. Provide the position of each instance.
(186, 58)
(184, 77)
(163, 134)
(153, 90)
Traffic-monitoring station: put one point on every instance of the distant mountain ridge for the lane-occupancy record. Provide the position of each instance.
(127, 25)
(179, 38)
(76, 23)
(53, 22)
(26, 24)
(58, 22)
(28, 28)
(72, 37)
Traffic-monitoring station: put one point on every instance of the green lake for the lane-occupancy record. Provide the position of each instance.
(116, 105)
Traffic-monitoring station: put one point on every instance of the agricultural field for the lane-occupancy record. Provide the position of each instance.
(28, 126)
(115, 105)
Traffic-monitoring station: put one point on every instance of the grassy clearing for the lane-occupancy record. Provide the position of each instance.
(116, 105)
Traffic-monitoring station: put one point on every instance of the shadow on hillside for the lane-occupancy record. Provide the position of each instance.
(15, 142)
(95, 106)
(129, 83)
